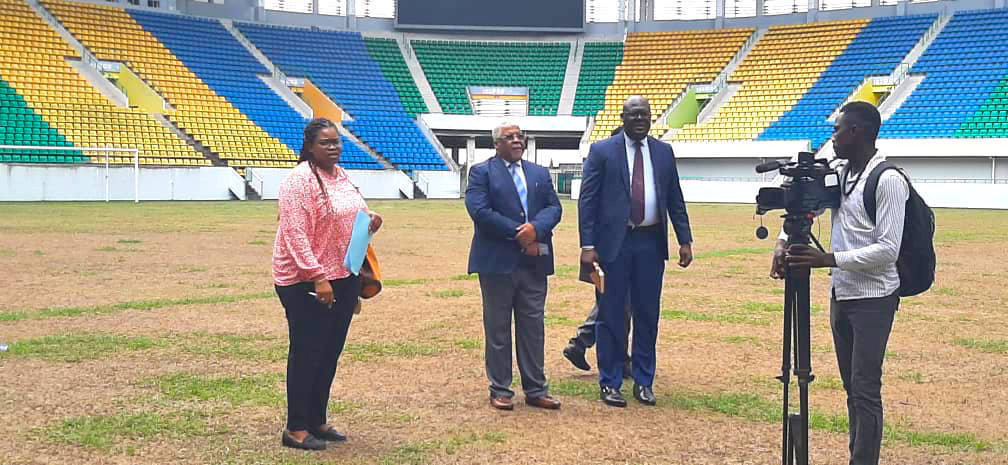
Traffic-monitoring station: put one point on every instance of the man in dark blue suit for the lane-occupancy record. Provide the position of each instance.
(629, 192)
(514, 209)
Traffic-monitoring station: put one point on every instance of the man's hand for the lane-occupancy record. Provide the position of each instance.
(589, 256)
(531, 250)
(685, 255)
(803, 256)
(778, 267)
(526, 234)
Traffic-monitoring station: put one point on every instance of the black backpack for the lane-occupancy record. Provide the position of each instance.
(916, 262)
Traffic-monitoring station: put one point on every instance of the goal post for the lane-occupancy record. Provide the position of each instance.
(39, 154)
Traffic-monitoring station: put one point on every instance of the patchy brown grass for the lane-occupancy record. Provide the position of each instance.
(148, 334)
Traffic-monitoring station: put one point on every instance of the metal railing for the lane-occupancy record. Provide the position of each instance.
(105, 150)
(251, 176)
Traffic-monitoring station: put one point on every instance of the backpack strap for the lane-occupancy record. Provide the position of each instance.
(871, 185)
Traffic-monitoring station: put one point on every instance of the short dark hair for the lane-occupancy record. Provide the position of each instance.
(866, 115)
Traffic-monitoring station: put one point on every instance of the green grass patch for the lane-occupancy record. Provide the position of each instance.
(465, 277)
(733, 253)
(566, 271)
(129, 241)
(422, 452)
(373, 350)
(250, 347)
(402, 282)
(991, 346)
(78, 347)
(762, 307)
(560, 320)
(191, 269)
(468, 344)
(830, 383)
(747, 340)
(584, 389)
(755, 408)
(257, 242)
(261, 389)
(38, 253)
(107, 248)
(58, 312)
(946, 291)
(714, 317)
(448, 293)
(7, 252)
(915, 377)
(108, 431)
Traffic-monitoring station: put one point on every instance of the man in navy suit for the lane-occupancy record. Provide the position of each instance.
(514, 209)
(629, 192)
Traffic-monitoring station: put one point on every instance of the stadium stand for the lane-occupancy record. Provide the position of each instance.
(779, 70)
(598, 66)
(386, 53)
(876, 51)
(660, 65)
(356, 82)
(452, 66)
(112, 34)
(231, 72)
(963, 93)
(46, 102)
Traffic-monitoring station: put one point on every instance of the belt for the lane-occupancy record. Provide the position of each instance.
(643, 229)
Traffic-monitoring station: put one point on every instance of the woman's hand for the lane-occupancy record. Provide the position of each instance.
(324, 292)
(376, 222)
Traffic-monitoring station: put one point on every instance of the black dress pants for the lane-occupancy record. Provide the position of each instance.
(317, 336)
(861, 330)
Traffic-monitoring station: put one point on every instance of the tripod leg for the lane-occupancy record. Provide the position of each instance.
(803, 362)
(787, 448)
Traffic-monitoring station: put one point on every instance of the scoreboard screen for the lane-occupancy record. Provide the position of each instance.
(486, 15)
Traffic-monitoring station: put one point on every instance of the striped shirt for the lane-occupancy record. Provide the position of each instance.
(866, 252)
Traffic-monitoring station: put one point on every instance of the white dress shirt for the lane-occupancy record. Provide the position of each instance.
(650, 196)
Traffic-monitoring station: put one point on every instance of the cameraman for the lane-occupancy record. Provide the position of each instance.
(865, 292)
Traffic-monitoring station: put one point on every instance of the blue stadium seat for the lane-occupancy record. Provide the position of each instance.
(216, 57)
(350, 76)
(877, 50)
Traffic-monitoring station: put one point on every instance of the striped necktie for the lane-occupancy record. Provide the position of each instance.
(519, 186)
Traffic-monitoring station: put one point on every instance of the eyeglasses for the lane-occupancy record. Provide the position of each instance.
(512, 136)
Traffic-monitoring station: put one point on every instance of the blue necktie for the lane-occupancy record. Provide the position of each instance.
(520, 186)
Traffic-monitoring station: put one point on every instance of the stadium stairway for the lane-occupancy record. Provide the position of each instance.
(352, 78)
(419, 78)
(572, 76)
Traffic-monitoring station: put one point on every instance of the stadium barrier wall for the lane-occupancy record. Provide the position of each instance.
(23, 182)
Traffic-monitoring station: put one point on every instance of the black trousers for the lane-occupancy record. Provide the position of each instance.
(861, 330)
(317, 336)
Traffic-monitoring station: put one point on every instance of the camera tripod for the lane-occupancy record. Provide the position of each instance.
(797, 344)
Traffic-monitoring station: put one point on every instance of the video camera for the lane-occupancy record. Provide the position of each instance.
(807, 190)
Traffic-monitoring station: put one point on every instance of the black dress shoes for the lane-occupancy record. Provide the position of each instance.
(644, 394)
(612, 397)
(309, 443)
(576, 355)
(329, 435)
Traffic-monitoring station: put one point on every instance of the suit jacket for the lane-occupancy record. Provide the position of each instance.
(493, 204)
(604, 205)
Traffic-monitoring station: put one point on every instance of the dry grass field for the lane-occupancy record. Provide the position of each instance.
(150, 334)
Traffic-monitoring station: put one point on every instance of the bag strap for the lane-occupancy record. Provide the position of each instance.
(871, 185)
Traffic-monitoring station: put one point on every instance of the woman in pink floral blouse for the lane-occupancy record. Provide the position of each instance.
(317, 204)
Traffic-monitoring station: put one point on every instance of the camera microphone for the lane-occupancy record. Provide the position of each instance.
(768, 166)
